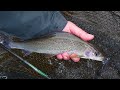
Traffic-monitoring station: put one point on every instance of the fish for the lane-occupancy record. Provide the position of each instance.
(56, 43)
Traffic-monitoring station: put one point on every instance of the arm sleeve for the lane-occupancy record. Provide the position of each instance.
(31, 24)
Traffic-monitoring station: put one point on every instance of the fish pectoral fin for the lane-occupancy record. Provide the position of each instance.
(26, 53)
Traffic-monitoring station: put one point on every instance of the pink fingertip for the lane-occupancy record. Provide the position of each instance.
(59, 56)
(76, 59)
(65, 56)
(90, 36)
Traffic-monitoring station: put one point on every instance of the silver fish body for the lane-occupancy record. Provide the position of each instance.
(58, 43)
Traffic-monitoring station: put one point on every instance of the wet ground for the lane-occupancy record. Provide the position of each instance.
(106, 28)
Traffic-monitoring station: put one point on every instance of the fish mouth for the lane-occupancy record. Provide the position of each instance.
(99, 59)
(96, 59)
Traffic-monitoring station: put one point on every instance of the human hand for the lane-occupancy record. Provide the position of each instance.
(73, 29)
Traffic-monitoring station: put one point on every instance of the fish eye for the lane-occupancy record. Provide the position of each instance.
(96, 53)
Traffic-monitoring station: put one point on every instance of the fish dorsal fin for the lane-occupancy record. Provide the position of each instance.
(52, 34)
(46, 36)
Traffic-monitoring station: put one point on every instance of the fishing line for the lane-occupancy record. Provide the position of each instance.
(32, 66)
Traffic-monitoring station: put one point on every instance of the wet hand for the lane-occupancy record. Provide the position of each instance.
(73, 29)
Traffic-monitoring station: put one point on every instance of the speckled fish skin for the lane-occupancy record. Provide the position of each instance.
(58, 43)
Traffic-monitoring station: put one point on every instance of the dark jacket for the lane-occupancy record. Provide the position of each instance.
(31, 24)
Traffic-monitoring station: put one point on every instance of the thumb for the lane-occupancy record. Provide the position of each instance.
(79, 32)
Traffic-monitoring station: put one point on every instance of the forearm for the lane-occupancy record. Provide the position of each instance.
(55, 22)
(31, 24)
(59, 22)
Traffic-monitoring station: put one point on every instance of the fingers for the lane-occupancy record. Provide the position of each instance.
(73, 29)
(80, 33)
(75, 57)
(65, 56)
(59, 56)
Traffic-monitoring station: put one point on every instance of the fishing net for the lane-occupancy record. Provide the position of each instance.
(105, 25)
